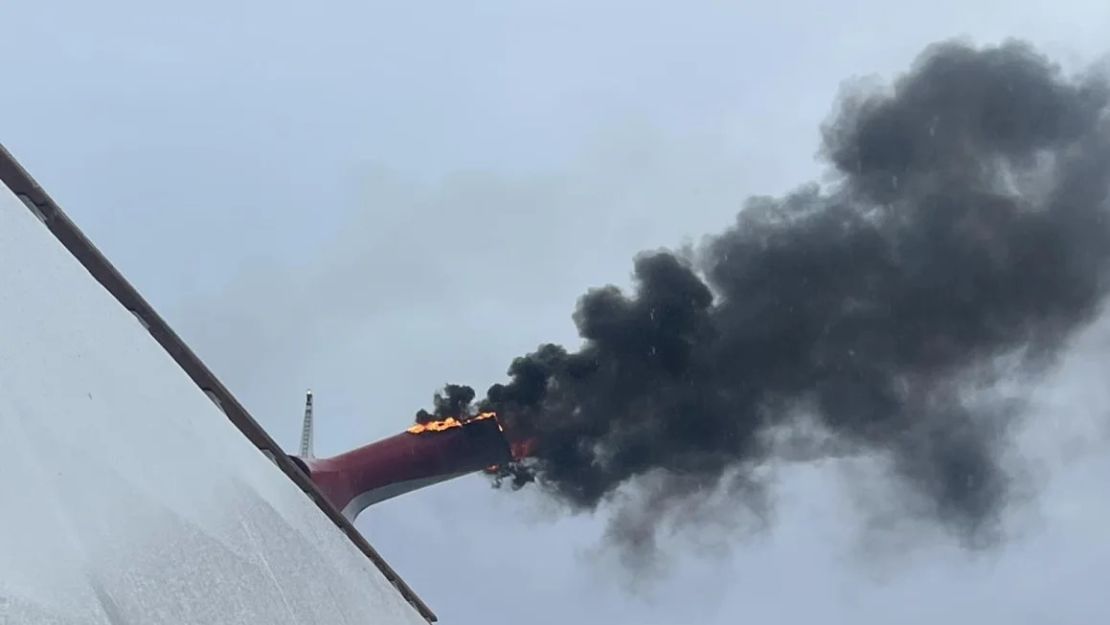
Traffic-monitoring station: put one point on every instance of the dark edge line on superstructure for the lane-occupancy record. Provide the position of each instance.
(20, 182)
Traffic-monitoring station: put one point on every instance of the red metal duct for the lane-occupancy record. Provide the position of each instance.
(418, 457)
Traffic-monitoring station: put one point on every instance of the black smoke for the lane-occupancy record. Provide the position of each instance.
(965, 223)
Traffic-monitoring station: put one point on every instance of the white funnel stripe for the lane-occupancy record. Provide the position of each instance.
(371, 497)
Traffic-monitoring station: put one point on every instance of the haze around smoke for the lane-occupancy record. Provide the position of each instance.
(960, 239)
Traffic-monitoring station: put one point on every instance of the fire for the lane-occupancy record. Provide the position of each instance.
(519, 449)
(435, 426)
(448, 423)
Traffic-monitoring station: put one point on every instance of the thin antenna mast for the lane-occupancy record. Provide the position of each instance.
(306, 430)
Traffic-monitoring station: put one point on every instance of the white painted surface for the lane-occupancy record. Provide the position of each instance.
(126, 496)
(389, 491)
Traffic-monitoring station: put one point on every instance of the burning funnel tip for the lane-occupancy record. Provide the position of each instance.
(420, 456)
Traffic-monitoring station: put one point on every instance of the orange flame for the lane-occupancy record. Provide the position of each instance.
(519, 449)
(448, 423)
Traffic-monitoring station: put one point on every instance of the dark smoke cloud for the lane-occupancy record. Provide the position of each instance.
(965, 221)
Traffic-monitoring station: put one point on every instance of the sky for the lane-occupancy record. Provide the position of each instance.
(323, 196)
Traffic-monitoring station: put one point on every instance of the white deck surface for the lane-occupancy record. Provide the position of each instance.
(126, 496)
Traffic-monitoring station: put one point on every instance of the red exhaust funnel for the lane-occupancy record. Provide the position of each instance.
(421, 456)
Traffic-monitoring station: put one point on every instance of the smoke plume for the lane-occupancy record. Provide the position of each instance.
(963, 226)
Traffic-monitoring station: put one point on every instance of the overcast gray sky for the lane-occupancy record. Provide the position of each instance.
(320, 195)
